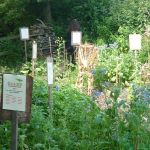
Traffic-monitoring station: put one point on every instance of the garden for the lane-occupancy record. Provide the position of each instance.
(116, 114)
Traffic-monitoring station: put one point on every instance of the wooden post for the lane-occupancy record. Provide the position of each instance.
(14, 141)
(24, 35)
(50, 97)
(136, 65)
(117, 68)
(33, 67)
(65, 60)
(148, 57)
(25, 48)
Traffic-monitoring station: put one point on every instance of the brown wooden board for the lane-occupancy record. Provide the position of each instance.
(22, 116)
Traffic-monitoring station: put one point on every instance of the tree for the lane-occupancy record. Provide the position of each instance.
(12, 13)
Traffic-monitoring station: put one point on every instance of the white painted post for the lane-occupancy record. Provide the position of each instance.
(34, 57)
(135, 45)
(50, 80)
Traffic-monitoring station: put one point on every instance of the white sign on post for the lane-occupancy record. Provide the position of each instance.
(34, 50)
(76, 38)
(50, 70)
(14, 92)
(135, 41)
(24, 33)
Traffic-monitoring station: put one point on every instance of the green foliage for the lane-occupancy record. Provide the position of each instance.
(5, 134)
(77, 123)
(134, 16)
(101, 79)
(94, 18)
(139, 115)
(11, 14)
(114, 68)
(11, 51)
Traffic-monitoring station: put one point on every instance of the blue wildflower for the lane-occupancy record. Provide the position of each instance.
(57, 88)
(97, 93)
(93, 72)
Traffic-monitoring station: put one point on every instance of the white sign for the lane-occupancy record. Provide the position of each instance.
(76, 37)
(24, 33)
(14, 92)
(34, 50)
(50, 70)
(135, 41)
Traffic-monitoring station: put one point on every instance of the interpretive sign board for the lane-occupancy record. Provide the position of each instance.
(76, 38)
(23, 116)
(14, 92)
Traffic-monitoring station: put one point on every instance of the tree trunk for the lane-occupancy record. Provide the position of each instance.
(47, 13)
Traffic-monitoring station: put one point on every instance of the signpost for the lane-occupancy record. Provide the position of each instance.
(15, 104)
(76, 40)
(14, 98)
(135, 45)
(48, 53)
(50, 80)
(24, 35)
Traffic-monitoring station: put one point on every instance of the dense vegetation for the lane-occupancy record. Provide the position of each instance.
(76, 121)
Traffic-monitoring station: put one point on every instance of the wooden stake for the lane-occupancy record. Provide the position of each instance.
(33, 67)
(25, 48)
(50, 97)
(14, 141)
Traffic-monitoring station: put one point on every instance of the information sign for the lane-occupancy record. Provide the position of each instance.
(14, 92)
(135, 41)
(24, 33)
(76, 38)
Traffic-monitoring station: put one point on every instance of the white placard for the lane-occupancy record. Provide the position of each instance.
(14, 92)
(49, 70)
(34, 50)
(76, 37)
(24, 33)
(135, 41)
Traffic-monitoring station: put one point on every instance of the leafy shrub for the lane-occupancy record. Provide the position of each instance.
(77, 123)
(114, 68)
(101, 78)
